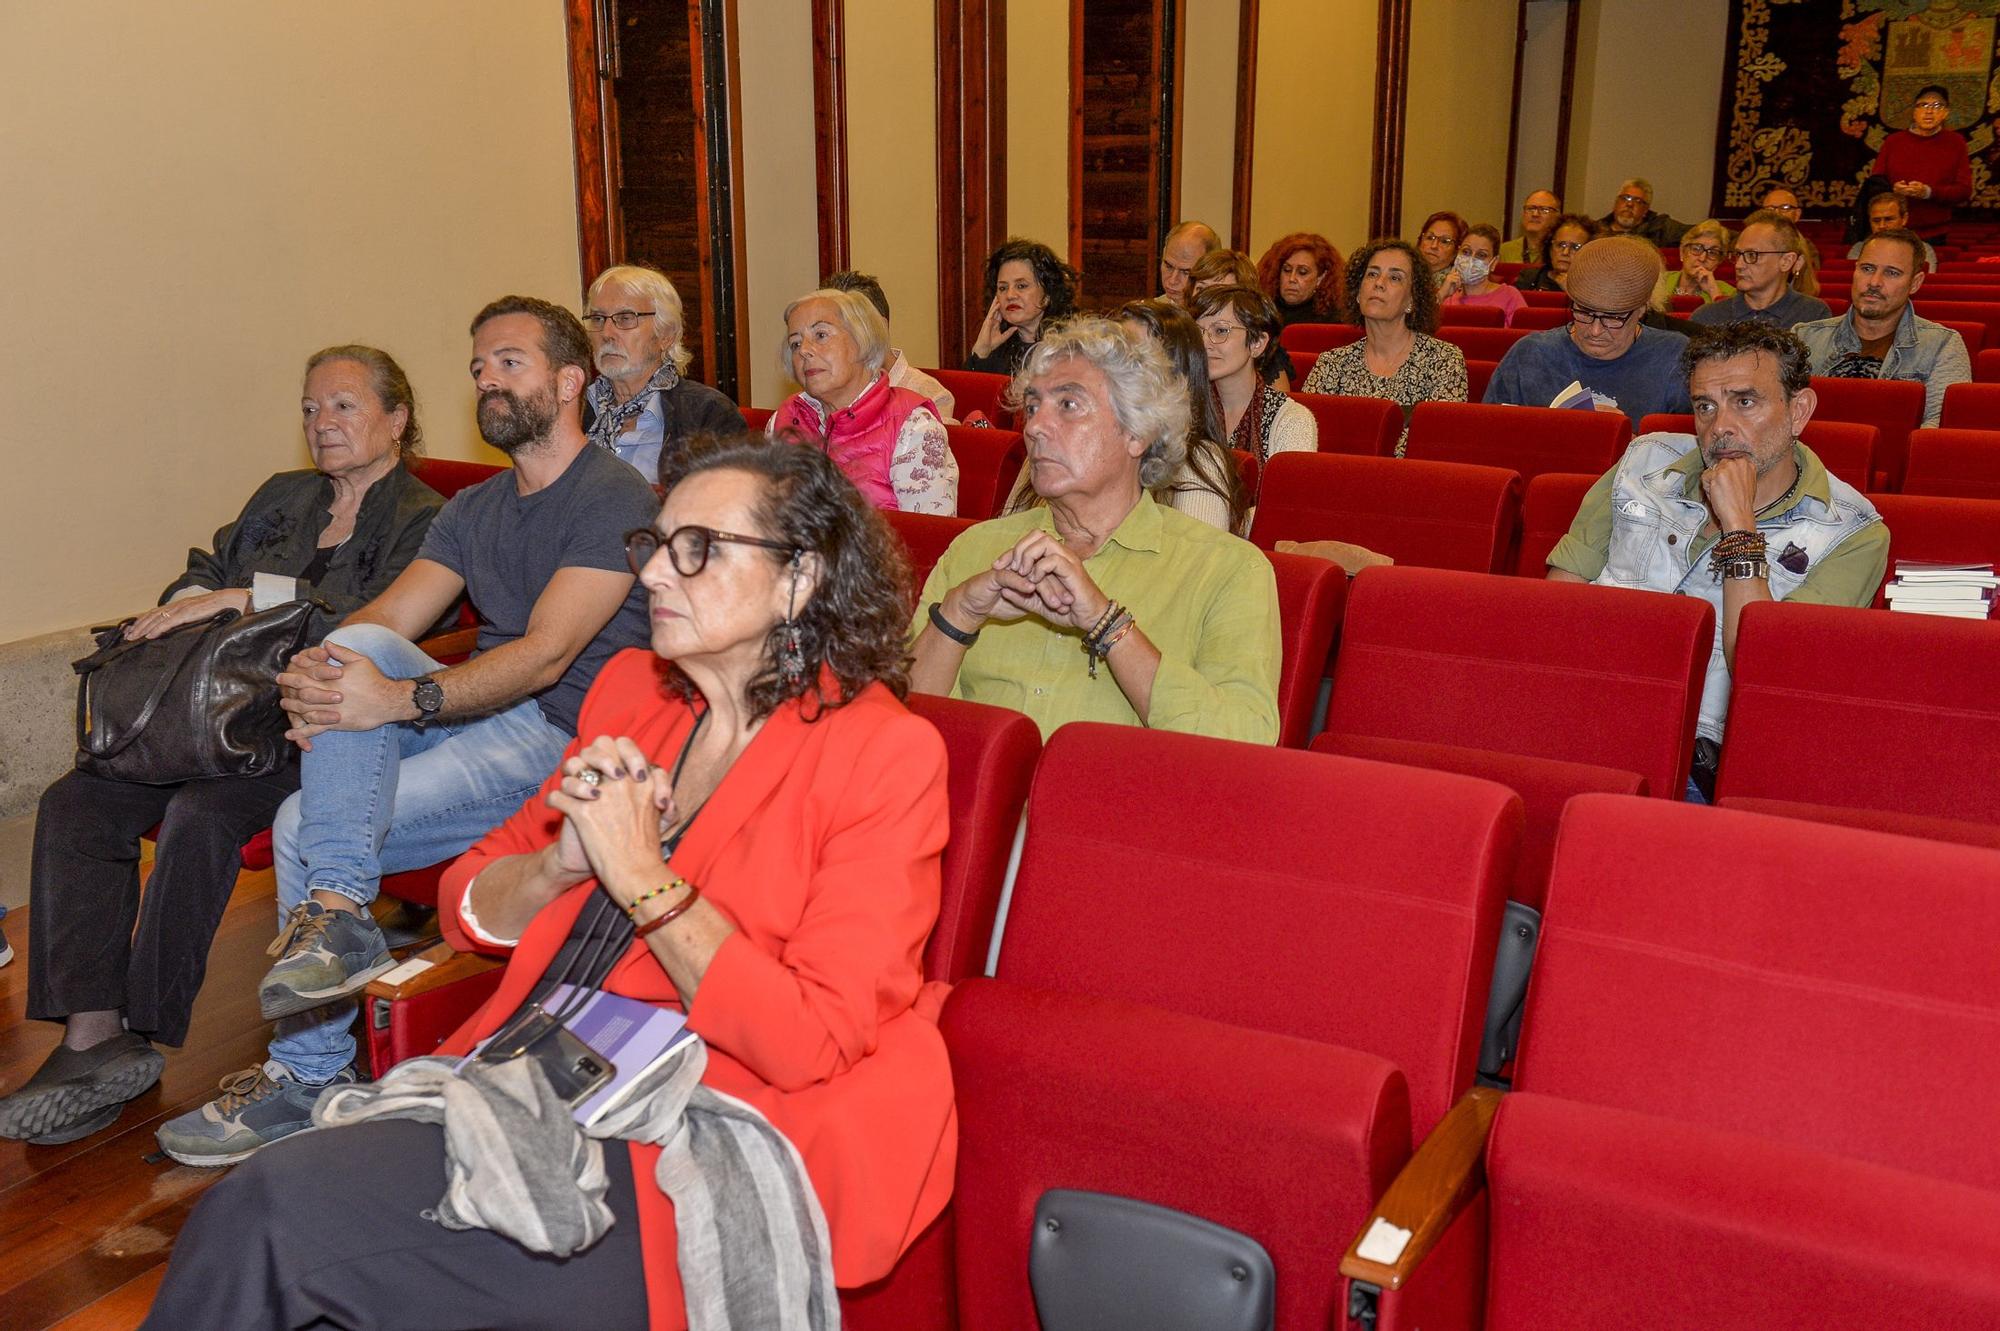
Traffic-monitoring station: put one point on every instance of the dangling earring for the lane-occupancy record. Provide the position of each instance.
(791, 656)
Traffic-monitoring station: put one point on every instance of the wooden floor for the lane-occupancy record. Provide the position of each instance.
(86, 1228)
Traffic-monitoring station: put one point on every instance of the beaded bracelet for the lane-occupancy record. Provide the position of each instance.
(1736, 545)
(1098, 647)
(632, 911)
(1111, 612)
(667, 917)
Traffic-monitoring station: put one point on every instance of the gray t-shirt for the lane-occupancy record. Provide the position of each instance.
(507, 547)
(1788, 309)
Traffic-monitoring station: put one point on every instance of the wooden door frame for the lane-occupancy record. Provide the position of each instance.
(971, 162)
(1392, 95)
(1247, 17)
(718, 118)
(829, 20)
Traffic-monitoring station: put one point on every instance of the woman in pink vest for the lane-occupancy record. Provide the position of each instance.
(888, 440)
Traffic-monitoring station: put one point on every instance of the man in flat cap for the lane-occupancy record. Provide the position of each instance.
(1739, 512)
(1604, 348)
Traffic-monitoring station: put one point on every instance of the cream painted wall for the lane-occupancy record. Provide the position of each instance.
(1461, 81)
(780, 201)
(1647, 98)
(1315, 120)
(1208, 112)
(892, 227)
(1038, 121)
(1541, 99)
(201, 196)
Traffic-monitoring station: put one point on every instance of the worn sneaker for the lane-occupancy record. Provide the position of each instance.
(6, 952)
(257, 1106)
(78, 1091)
(323, 956)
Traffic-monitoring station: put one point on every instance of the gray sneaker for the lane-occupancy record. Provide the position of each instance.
(257, 1106)
(78, 1091)
(323, 956)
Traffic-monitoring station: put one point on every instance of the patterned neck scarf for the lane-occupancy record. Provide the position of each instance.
(610, 422)
(1253, 433)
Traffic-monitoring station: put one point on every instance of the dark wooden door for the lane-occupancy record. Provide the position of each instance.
(1125, 58)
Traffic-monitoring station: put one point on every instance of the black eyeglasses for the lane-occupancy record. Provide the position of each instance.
(1580, 314)
(622, 319)
(688, 547)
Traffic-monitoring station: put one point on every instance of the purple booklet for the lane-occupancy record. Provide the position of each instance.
(628, 1033)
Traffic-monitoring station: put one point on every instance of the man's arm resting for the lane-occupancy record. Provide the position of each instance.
(1446, 1172)
(412, 603)
(572, 609)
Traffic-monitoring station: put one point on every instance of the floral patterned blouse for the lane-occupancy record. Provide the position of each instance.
(1433, 372)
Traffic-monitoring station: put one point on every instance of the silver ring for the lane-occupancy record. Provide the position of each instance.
(590, 776)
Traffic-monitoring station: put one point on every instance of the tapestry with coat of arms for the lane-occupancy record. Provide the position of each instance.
(1811, 88)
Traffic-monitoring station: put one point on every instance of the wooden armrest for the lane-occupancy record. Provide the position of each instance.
(447, 967)
(1443, 1175)
(458, 642)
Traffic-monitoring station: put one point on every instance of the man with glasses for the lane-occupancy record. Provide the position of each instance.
(1880, 336)
(407, 762)
(1740, 512)
(1888, 212)
(1770, 256)
(1927, 164)
(1606, 347)
(1539, 212)
(1632, 215)
(1781, 200)
(640, 402)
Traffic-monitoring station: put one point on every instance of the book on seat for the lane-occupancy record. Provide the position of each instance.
(1955, 591)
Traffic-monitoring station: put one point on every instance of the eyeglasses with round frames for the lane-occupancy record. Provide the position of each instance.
(1219, 332)
(622, 319)
(1583, 315)
(688, 548)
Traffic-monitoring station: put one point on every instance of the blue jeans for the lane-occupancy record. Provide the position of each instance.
(387, 800)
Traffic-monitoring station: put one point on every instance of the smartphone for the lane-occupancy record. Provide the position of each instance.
(575, 1070)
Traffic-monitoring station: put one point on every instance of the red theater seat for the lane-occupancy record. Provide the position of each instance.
(973, 391)
(1482, 343)
(1335, 1017)
(1940, 531)
(1434, 514)
(1545, 300)
(1478, 374)
(1311, 595)
(1985, 366)
(1904, 711)
(989, 463)
(1985, 312)
(1315, 338)
(1846, 449)
(1971, 406)
(1524, 440)
(1477, 316)
(1366, 426)
(1604, 677)
(1547, 512)
(1963, 464)
(1535, 318)
(448, 476)
(1893, 406)
(925, 538)
(1680, 1148)
(756, 418)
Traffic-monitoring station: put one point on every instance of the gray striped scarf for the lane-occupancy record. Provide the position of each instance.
(753, 1244)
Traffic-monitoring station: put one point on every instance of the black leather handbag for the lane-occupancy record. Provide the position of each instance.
(197, 701)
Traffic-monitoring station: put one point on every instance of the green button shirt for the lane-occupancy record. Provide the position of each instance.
(1207, 600)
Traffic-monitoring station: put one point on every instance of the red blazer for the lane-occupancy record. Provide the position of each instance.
(821, 846)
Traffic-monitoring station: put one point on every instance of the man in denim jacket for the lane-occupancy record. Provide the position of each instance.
(1742, 512)
(1880, 336)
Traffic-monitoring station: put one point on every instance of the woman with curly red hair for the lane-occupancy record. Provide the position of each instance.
(1304, 277)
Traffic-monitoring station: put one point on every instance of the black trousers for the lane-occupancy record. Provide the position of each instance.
(325, 1230)
(85, 953)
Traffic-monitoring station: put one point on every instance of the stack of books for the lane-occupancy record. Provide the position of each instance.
(1957, 591)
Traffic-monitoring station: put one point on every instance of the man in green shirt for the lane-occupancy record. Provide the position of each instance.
(1742, 512)
(1099, 604)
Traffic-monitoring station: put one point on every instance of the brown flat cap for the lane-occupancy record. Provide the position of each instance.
(1614, 273)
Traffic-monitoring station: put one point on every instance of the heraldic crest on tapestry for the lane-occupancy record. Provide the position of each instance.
(1812, 88)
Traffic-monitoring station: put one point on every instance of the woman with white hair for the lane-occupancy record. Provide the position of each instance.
(1100, 603)
(641, 404)
(888, 440)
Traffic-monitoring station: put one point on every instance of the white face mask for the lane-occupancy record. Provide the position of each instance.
(1472, 270)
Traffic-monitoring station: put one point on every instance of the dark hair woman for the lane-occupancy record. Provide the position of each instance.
(1303, 275)
(1390, 296)
(338, 533)
(1027, 288)
(1207, 486)
(1239, 329)
(745, 831)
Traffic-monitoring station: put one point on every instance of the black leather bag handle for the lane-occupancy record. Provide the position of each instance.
(88, 737)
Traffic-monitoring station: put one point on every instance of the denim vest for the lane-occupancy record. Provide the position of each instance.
(1656, 527)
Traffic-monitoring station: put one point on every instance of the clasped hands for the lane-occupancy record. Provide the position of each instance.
(1038, 576)
(331, 687)
(614, 801)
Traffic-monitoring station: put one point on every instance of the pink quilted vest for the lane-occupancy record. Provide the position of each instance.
(860, 437)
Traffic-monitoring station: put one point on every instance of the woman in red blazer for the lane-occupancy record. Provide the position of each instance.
(765, 733)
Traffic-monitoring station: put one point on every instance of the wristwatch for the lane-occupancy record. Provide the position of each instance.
(429, 699)
(1744, 568)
